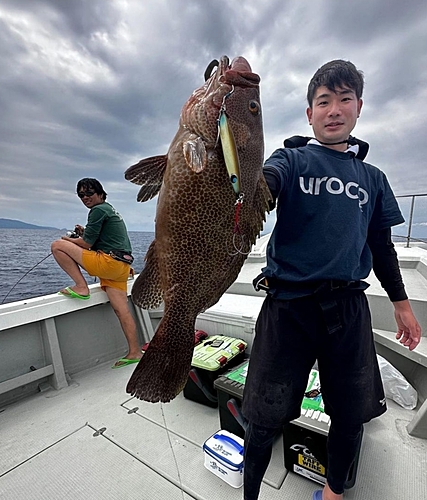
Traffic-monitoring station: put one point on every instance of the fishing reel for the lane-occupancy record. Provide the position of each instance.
(71, 234)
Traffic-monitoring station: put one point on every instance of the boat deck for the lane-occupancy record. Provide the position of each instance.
(91, 441)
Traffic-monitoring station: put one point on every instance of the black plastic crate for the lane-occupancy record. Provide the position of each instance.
(230, 388)
(305, 454)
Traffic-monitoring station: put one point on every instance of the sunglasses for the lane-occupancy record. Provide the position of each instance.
(82, 194)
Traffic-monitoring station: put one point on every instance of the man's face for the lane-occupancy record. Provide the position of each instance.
(333, 115)
(89, 197)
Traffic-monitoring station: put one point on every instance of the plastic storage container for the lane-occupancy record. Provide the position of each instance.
(212, 357)
(224, 457)
(229, 387)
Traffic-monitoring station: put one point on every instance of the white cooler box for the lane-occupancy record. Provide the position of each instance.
(233, 316)
(224, 457)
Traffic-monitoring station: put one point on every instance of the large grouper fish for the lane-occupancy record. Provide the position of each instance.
(211, 207)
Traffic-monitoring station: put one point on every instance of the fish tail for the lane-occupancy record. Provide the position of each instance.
(163, 370)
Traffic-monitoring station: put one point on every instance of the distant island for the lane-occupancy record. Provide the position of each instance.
(17, 224)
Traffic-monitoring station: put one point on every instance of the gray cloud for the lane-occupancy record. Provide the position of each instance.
(88, 88)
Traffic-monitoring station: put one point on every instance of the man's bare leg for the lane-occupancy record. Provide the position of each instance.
(119, 302)
(328, 494)
(69, 257)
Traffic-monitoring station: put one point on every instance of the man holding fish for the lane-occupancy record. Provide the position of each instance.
(334, 214)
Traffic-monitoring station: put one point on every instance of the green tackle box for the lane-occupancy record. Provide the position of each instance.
(211, 358)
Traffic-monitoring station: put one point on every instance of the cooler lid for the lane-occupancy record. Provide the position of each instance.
(226, 447)
(216, 351)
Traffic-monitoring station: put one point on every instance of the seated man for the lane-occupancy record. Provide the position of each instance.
(104, 235)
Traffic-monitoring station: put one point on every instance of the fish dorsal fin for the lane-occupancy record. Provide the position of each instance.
(195, 154)
(148, 173)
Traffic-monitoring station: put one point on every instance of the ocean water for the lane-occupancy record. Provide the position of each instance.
(28, 270)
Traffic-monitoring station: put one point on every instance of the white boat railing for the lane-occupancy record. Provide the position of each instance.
(411, 198)
(52, 328)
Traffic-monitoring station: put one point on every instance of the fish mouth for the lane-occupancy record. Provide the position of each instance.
(238, 73)
(209, 99)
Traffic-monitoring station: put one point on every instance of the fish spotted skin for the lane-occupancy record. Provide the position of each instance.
(198, 250)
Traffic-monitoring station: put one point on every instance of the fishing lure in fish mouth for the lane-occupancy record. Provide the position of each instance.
(231, 158)
(228, 145)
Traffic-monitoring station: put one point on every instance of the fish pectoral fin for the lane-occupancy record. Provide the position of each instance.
(195, 154)
(148, 173)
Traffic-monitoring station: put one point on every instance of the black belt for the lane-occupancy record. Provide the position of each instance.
(122, 256)
(323, 290)
(319, 286)
(331, 285)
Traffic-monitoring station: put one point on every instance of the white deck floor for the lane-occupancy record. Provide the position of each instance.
(50, 450)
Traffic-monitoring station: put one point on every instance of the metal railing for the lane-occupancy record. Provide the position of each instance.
(412, 198)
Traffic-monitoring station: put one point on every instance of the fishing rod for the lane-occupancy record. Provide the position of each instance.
(70, 234)
(22, 277)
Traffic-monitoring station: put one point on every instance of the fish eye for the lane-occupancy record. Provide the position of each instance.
(254, 107)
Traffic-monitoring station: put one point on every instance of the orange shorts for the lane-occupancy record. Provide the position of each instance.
(111, 272)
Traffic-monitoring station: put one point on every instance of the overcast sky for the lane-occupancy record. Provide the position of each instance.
(89, 87)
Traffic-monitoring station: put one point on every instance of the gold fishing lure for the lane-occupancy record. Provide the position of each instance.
(231, 158)
(229, 148)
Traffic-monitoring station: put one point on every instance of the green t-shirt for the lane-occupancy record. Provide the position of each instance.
(106, 230)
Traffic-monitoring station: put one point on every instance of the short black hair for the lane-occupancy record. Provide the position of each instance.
(91, 184)
(336, 74)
